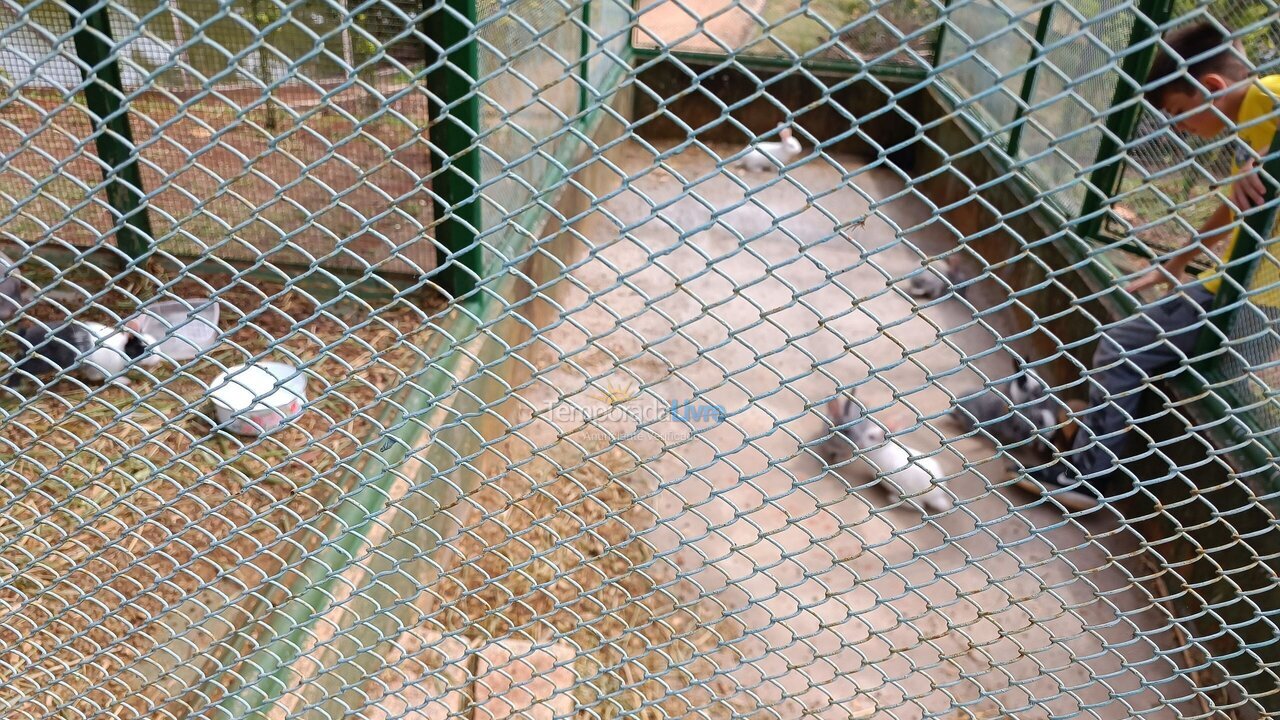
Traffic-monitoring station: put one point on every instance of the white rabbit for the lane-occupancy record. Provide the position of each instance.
(906, 472)
(937, 279)
(95, 351)
(771, 155)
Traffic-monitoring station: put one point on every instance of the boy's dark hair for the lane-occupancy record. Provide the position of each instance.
(1206, 48)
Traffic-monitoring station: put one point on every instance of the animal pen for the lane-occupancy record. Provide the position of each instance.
(548, 316)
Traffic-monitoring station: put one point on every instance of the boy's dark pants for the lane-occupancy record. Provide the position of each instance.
(1129, 356)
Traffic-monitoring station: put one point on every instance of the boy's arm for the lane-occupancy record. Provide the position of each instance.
(1172, 270)
(1246, 192)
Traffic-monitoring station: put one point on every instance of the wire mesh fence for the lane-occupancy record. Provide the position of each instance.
(897, 34)
(1173, 179)
(249, 136)
(590, 359)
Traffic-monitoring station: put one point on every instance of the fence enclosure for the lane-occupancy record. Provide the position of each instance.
(565, 363)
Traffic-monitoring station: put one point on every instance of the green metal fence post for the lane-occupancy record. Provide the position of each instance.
(1121, 125)
(631, 34)
(1029, 80)
(453, 112)
(939, 38)
(104, 95)
(584, 63)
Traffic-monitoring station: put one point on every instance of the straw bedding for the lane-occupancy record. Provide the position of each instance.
(117, 505)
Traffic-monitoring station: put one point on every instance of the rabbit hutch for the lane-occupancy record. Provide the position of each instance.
(524, 358)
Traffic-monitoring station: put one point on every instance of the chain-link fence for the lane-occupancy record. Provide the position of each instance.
(897, 35)
(684, 358)
(1171, 181)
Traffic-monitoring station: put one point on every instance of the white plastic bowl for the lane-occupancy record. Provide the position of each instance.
(245, 402)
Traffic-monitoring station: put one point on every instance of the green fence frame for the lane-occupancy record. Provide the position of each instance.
(1121, 126)
(453, 116)
(267, 670)
(453, 112)
(264, 669)
(1245, 258)
(104, 95)
(1029, 80)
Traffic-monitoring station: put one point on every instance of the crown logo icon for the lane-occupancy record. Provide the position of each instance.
(617, 393)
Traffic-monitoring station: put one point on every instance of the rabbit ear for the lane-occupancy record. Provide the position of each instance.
(138, 326)
(840, 408)
(835, 408)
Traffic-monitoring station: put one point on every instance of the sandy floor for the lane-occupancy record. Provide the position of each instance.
(695, 285)
(698, 25)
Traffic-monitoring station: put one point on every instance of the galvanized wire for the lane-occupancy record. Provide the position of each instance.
(604, 479)
(1162, 180)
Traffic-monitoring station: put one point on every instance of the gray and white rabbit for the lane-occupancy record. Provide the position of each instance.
(96, 352)
(14, 293)
(771, 155)
(1043, 411)
(986, 410)
(1031, 398)
(1019, 414)
(938, 279)
(906, 472)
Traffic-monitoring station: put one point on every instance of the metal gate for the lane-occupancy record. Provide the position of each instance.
(598, 359)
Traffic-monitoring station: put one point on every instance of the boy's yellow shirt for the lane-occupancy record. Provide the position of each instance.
(1259, 102)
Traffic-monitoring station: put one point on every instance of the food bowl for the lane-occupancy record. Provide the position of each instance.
(256, 399)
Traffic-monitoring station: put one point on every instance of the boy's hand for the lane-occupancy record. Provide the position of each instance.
(1249, 191)
(1173, 270)
(1246, 193)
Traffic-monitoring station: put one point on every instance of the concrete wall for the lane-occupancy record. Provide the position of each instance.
(675, 95)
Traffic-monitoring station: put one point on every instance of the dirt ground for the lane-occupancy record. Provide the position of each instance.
(784, 27)
(700, 285)
(698, 25)
(235, 174)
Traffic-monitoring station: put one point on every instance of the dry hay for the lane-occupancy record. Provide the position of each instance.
(558, 552)
(115, 510)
